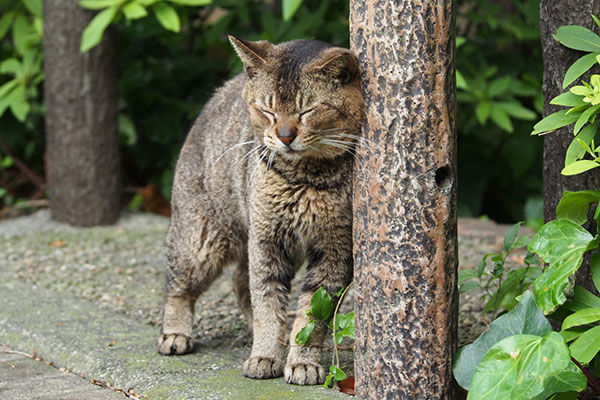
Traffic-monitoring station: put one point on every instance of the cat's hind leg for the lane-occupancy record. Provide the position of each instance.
(196, 254)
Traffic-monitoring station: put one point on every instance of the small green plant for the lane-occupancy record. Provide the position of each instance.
(342, 325)
(583, 100)
(501, 289)
(519, 355)
(114, 10)
(19, 92)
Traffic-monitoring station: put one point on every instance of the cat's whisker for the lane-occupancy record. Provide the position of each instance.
(253, 150)
(360, 140)
(232, 148)
(261, 156)
(343, 146)
(270, 162)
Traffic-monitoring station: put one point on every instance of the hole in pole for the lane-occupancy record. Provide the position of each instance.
(443, 177)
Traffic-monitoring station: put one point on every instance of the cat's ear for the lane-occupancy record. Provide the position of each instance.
(337, 63)
(252, 54)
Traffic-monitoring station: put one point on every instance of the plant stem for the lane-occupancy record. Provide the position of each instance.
(337, 307)
(589, 376)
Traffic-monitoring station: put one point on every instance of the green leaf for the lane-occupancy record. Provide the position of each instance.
(568, 99)
(92, 34)
(461, 82)
(516, 282)
(581, 317)
(465, 287)
(523, 241)
(554, 121)
(585, 348)
(304, 335)
(482, 111)
(345, 324)
(338, 373)
(516, 110)
(289, 8)
(575, 206)
(127, 132)
(578, 38)
(583, 298)
(501, 118)
(99, 4)
(466, 274)
(3, 192)
(595, 269)
(578, 167)
(525, 318)
(572, 334)
(20, 33)
(518, 367)
(134, 11)
(167, 16)
(560, 243)
(11, 66)
(328, 381)
(511, 236)
(567, 380)
(34, 7)
(5, 23)
(575, 151)
(321, 305)
(585, 117)
(6, 162)
(192, 2)
(579, 68)
(499, 86)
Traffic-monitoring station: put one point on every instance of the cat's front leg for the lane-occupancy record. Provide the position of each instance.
(271, 272)
(330, 267)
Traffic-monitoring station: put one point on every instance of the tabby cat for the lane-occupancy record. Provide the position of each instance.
(264, 181)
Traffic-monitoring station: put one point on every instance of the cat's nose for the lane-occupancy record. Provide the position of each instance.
(286, 133)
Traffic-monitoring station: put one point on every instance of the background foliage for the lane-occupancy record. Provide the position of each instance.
(166, 76)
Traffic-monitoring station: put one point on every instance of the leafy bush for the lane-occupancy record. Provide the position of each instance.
(519, 355)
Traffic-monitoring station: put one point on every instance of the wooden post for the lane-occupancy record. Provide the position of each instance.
(82, 142)
(405, 240)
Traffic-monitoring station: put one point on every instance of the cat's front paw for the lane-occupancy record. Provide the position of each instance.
(174, 343)
(262, 368)
(304, 374)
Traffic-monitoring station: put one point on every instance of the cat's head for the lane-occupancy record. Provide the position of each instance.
(304, 97)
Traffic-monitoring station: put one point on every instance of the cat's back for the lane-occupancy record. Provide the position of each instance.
(210, 164)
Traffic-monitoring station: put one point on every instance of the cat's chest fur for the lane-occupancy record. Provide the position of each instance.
(303, 204)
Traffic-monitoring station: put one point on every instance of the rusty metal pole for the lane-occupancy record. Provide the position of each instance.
(405, 240)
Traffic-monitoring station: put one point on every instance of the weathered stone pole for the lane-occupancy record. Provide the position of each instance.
(405, 244)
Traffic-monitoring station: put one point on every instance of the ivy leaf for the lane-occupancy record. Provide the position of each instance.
(585, 348)
(560, 243)
(344, 326)
(525, 318)
(570, 379)
(555, 121)
(321, 305)
(92, 34)
(304, 335)
(518, 367)
(575, 206)
(579, 68)
(167, 16)
(578, 38)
